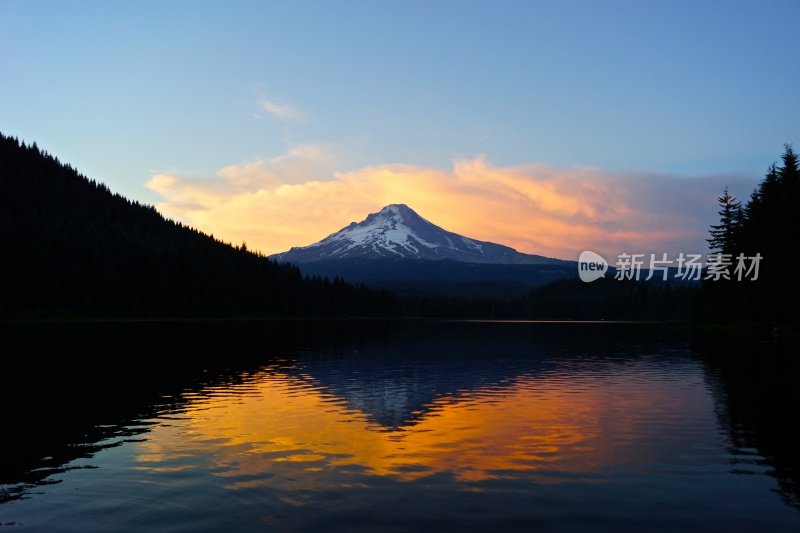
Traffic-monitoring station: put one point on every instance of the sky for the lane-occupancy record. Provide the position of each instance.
(549, 126)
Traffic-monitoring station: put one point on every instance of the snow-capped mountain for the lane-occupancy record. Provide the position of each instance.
(398, 232)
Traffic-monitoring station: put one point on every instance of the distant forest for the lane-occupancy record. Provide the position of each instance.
(72, 248)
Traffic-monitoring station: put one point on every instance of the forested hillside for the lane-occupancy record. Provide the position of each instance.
(72, 247)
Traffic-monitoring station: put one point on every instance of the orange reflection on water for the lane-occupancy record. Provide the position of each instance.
(278, 424)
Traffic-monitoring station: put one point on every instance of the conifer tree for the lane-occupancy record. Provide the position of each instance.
(725, 235)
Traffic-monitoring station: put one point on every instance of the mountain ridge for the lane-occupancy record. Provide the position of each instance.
(398, 232)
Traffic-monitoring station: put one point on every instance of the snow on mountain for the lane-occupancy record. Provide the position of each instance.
(397, 231)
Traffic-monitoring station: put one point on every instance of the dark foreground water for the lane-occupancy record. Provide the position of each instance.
(413, 427)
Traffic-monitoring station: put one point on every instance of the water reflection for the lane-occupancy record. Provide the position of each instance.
(757, 401)
(419, 426)
(572, 422)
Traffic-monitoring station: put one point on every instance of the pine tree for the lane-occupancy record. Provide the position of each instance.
(790, 171)
(788, 225)
(725, 235)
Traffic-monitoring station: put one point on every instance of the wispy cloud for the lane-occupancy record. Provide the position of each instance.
(296, 199)
(280, 110)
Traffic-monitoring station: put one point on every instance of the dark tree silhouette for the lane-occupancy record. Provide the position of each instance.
(72, 247)
(770, 226)
(725, 235)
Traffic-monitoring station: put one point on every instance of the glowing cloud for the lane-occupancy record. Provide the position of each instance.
(298, 198)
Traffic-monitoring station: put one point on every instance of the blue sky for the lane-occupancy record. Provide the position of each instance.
(126, 91)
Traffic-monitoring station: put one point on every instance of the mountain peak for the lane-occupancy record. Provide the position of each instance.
(396, 209)
(393, 210)
(399, 232)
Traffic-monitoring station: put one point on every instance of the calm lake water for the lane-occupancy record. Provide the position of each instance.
(370, 426)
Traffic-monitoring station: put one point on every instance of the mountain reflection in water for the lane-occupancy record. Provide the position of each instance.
(409, 426)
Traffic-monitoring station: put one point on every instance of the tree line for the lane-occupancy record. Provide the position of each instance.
(767, 226)
(72, 247)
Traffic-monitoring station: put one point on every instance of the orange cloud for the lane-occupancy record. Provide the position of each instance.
(299, 198)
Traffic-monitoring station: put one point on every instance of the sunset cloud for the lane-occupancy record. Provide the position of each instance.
(297, 199)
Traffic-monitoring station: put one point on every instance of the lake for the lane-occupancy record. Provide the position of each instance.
(368, 426)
